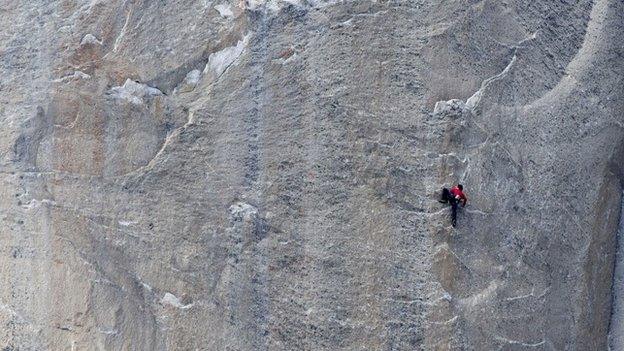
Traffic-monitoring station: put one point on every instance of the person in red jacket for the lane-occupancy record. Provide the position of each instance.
(454, 197)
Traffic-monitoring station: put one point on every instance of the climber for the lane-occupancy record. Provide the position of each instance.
(454, 197)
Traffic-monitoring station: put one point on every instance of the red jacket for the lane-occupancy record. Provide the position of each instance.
(456, 192)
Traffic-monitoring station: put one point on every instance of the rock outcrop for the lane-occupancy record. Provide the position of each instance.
(263, 174)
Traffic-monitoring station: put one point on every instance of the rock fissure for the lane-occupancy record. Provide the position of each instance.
(473, 102)
(616, 323)
(122, 33)
(521, 343)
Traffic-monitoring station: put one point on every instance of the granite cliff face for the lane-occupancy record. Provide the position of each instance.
(263, 174)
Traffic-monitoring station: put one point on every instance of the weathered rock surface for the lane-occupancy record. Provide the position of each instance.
(262, 174)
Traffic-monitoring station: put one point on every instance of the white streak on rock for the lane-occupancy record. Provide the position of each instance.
(479, 212)
(172, 300)
(446, 297)
(452, 320)
(108, 331)
(481, 297)
(241, 210)
(75, 75)
(531, 294)
(126, 223)
(8, 309)
(525, 344)
(189, 83)
(34, 203)
(225, 10)
(475, 99)
(122, 34)
(219, 61)
(193, 77)
(456, 106)
(134, 92)
(90, 39)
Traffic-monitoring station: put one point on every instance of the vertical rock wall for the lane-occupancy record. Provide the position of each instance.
(616, 330)
(262, 175)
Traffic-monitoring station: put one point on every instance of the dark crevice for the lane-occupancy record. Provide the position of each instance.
(616, 320)
(616, 323)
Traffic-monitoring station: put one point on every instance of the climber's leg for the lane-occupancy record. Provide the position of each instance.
(454, 205)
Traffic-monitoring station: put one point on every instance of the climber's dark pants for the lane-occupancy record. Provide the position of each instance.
(447, 197)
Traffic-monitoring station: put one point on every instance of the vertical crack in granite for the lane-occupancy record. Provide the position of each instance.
(616, 327)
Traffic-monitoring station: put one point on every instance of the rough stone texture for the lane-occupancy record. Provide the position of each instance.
(262, 174)
(616, 335)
